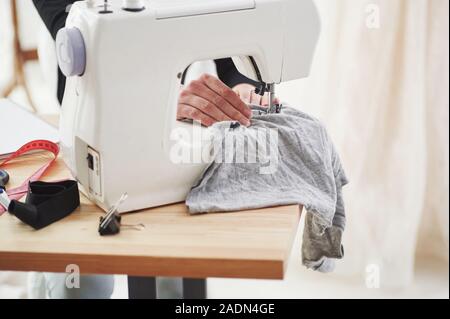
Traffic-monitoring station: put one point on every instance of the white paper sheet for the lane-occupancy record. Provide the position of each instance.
(18, 126)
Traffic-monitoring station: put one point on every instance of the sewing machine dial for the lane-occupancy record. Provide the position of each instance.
(70, 51)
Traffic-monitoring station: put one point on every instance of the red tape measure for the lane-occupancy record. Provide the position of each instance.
(37, 145)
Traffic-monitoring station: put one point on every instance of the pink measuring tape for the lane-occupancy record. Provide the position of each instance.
(37, 145)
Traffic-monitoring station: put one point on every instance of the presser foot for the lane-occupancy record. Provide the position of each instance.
(263, 110)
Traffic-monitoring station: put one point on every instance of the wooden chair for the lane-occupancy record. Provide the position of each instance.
(20, 57)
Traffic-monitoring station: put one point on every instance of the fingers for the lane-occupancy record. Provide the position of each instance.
(256, 99)
(190, 112)
(247, 94)
(226, 97)
(244, 91)
(222, 109)
(265, 100)
(187, 98)
(209, 100)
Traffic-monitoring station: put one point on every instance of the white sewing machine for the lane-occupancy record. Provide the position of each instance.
(124, 60)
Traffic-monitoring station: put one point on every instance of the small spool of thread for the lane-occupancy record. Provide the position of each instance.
(133, 5)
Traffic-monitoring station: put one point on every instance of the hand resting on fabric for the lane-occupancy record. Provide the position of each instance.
(208, 100)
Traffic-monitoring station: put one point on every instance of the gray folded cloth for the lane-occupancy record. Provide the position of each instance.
(296, 163)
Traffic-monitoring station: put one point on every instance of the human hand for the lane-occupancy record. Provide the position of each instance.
(247, 94)
(208, 100)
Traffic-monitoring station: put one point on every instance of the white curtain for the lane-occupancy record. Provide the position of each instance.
(380, 84)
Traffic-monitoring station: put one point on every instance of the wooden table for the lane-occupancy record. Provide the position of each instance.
(247, 244)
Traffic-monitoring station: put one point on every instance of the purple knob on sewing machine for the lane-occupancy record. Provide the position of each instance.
(70, 51)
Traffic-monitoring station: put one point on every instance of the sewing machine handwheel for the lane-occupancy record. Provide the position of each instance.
(70, 51)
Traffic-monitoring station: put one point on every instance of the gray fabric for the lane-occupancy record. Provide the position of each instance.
(308, 173)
